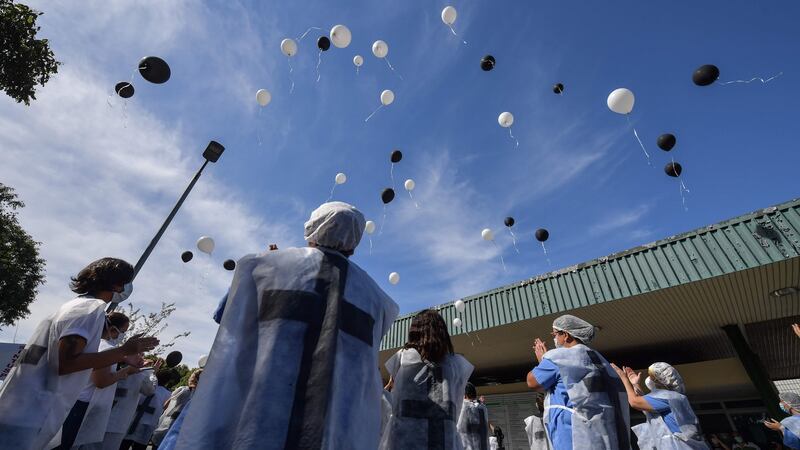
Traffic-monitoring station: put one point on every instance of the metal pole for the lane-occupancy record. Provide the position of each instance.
(157, 237)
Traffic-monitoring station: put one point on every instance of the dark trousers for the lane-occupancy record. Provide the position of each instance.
(128, 444)
(69, 431)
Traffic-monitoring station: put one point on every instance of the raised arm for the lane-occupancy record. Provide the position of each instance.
(71, 357)
(635, 400)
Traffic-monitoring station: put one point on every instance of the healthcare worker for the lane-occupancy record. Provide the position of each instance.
(790, 426)
(473, 423)
(586, 405)
(671, 423)
(57, 361)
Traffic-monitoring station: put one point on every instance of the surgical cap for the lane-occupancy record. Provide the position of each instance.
(792, 399)
(575, 327)
(667, 376)
(335, 225)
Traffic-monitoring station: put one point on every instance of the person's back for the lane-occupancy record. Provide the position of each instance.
(303, 318)
(473, 422)
(429, 381)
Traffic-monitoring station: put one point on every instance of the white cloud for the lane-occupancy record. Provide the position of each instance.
(619, 219)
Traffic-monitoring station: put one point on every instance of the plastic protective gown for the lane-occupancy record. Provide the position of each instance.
(537, 433)
(123, 407)
(146, 416)
(601, 415)
(473, 426)
(386, 409)
(34, 399)
(426, 401)
(792, 423)
(655, 435)
(293, 363)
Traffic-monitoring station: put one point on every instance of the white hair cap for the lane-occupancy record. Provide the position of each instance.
(667, 376)
(335, 225)
(575, 327)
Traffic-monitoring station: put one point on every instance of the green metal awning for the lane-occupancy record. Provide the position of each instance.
(754, 240)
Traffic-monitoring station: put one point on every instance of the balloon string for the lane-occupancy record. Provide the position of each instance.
(763, 81)
(373, 113)
(512, 137)
(682, 187)
(391, 175)
(514, 240)
(370, 244)
(412, 199)
(308, 31)
(635, 133)
(390, 66)
(319, 61)
(383, 220)
(456, 34)
(545, 254)
(258, 127)
(357, 69)
(291, 78)
(330, 197)
(502, 261)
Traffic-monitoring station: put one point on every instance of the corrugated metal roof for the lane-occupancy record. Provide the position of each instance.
(748, 241)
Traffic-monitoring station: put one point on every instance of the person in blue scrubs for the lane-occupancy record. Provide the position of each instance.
(790, 426)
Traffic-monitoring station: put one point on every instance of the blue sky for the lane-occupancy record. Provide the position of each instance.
(99, 178)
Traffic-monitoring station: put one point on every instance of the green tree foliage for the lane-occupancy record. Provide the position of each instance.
(24, 60)
(21, 268)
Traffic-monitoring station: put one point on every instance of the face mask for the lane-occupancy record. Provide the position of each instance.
(120, 297)
(783, 408)
(739, 440)
(650, 384)
(555, 341)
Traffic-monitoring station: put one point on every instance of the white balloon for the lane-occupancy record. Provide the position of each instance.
(202, 361)
(288, 47)
(380, 49)
(410, 185)
(394, 278)
(621, 101)
(370, 227)
(358, 60)
(341, 178)
(457, 322)
(263, 97)
(341, 36)
(449, 15)
(387, 97)
(205, 244)
(487, 234)
(460, 305)
(505, 119)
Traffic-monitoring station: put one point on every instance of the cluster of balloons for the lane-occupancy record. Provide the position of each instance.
(206, 245)
(152, 69)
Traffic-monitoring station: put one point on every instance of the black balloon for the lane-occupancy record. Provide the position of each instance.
(187, 256)
(174, 358)
(324, 43)
(387, 195)
(673, 169)
(397, 155)
(509, 221)
(542, 234)
(487, 63)
(705, 75)
(229, 264)
(154, 69)
(558, 88)
(666, 141)
(124, 89)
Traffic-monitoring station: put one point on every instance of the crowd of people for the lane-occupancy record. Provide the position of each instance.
(293, 366)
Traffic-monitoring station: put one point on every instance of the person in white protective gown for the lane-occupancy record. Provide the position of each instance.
(790, 426)
(473, 422)
(98, 395)
(148, 411)
(293, 363)
(126, 399)
(43, 386)
(177, 401)
(586, 405)
(386, 405)
(535, 428)
(429, 381)
(671, 423)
